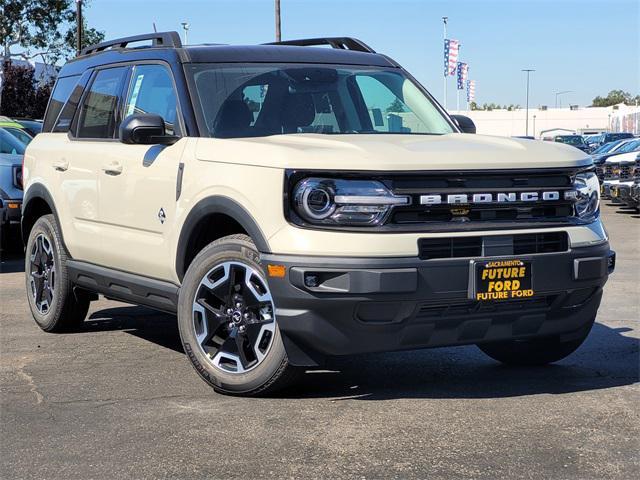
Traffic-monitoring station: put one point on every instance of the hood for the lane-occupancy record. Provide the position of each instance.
(629, 157)
(455, 151)
(8, 160)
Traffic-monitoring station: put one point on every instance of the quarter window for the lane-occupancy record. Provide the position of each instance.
(99, 116)
(60, 94)
(151, 91)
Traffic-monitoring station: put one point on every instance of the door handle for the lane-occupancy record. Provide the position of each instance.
(114, 168)
(61, 166)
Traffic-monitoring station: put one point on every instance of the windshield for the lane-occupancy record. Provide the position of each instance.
(570, 139)
(610, 137)
(631, 146)
(607, 147)
(20, 134)
(261, 100)
(10, 144)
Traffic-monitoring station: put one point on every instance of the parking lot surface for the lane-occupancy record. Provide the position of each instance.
(119, 399)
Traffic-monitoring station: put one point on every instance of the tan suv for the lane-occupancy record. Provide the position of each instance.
(291, 203)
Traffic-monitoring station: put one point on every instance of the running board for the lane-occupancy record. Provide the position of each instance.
(123, 286)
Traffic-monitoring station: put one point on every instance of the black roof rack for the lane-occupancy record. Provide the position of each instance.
(340, 43)
(158, 39)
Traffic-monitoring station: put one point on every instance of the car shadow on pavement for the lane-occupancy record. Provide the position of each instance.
(609, 358)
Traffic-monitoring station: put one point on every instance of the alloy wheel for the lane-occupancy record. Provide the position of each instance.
(42, 273)
(234, 317)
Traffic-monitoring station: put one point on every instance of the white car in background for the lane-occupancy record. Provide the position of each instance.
(618, 170)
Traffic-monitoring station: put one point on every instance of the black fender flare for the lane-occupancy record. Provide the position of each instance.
(212, 205)
(34, 192)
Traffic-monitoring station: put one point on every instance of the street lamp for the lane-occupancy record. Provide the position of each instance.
(528, 70)
(561, 93)
(185, 27)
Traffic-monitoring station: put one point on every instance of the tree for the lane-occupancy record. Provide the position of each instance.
(22, 95)
(614, 98)
(41, 28)
(396, 106)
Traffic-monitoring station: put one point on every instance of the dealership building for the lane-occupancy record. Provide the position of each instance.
(546, 122)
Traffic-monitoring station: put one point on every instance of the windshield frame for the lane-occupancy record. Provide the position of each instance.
(203, 130)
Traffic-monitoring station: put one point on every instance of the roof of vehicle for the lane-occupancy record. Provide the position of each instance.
(167, 46)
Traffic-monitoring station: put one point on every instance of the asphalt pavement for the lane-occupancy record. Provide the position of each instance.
(120, 400)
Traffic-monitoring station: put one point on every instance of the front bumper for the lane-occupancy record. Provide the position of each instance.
(363, 305)
(10, 211)
(622, 191)
(606, 187)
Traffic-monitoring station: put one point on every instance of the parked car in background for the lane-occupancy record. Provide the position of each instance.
(11, 154)
(33, 127)
(613, 136)
(616, 169)
(573, 140)
(620, 147)
(628, 173)
(591, 141)
(15, 129)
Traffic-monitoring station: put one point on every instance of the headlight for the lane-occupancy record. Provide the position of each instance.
(586, 194)
(328, 201)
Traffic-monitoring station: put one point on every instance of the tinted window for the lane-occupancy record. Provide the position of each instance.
(59, 96)
(151, 91)
(98, 115)
(63, 124)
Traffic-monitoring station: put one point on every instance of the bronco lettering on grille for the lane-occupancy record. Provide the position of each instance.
(503, 197)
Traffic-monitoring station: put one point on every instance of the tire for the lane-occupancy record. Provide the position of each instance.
(61, 309)
(537, 351)
(226, 318)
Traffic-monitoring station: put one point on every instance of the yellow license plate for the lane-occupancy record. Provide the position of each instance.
(502, 280)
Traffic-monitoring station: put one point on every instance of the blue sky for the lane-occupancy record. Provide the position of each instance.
(588, 46)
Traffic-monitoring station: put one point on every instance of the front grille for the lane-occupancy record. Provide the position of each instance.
(486, 246)
(456, 216)
(600, 172)
(626, 172)
(608, 170)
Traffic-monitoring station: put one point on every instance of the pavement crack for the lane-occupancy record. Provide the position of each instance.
(32, 386)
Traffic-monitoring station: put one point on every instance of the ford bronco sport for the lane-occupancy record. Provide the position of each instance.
(291, 203)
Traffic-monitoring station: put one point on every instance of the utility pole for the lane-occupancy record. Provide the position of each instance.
(444, 100)
(278, 24)
(78, 26)
(528, 70)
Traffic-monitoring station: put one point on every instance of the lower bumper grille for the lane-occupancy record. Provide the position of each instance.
(521, 244)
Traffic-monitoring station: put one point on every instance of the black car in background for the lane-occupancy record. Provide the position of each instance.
(612, 137)
(34, 127)
(573, 140)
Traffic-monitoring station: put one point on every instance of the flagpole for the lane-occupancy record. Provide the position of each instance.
(444, 21)
(458, 73)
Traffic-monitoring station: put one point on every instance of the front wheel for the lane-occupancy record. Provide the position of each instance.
(227, 321)
(536, 351)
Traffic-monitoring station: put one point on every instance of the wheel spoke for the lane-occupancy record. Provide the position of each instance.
(242, 355)
(48, 296)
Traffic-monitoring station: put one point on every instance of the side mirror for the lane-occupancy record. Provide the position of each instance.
(145, 129)
(465, 123)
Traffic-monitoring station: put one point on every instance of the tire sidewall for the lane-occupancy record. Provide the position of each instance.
(212, 255)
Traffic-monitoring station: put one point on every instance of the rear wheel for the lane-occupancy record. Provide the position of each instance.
(54, 304)
(227, 321)
(537, 351)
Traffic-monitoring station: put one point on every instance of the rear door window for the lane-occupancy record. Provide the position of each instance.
(99, 113)
(59, 96)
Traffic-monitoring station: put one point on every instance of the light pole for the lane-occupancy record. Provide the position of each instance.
(278, 22)
(561, 93)
(528, 70)
(78, 26)
(185, 27)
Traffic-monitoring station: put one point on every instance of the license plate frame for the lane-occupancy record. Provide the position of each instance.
(503, 272)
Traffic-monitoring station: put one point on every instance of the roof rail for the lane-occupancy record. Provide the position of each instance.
(341, 43)
(158, 39)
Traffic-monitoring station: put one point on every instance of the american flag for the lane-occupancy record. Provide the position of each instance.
(471, 90)
(451, 49)
(463, 70)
